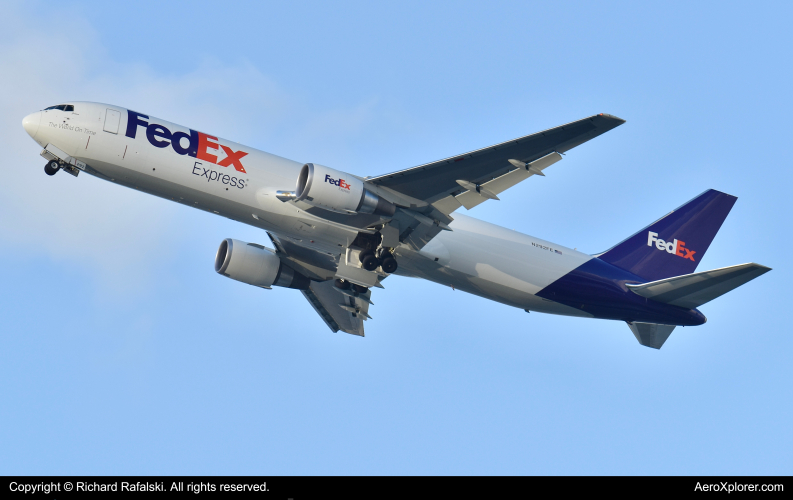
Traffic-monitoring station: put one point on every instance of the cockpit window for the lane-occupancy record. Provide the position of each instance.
(61, 107)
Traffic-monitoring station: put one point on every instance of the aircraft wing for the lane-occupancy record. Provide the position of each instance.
(426, 195)
(471, 178)
(340, 309)
(343, 310)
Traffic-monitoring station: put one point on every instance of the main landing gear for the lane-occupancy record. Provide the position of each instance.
(52, 167)
(374, 254)
(346, 285)
(383, 258)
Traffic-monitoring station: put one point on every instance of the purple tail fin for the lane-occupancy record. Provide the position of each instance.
(674, 244)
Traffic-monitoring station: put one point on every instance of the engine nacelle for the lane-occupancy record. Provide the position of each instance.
(255, 265)
(339, 192)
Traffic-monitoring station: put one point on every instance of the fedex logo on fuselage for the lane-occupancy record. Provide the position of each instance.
(337, 182)
(198, 143)
(675, 247)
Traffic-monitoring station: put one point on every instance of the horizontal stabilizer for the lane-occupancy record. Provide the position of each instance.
(693, 290)
(651, 334)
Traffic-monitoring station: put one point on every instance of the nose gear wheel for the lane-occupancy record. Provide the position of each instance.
(51, 168)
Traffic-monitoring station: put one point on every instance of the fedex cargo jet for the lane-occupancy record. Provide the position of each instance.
(336, 235)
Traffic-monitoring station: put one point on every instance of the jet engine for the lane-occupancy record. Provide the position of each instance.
(339, 192)
(255, 265)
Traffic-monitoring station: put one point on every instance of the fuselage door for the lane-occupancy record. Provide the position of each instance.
(112, 119)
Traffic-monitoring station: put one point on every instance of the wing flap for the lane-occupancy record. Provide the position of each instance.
(344, 310)
(471, 198)
(316, 265)
(340, 311)
(693, 290)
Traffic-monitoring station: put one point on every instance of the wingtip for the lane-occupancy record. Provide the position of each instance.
(765, 269)
(612, 117)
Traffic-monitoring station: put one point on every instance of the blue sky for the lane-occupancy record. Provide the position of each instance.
(124, 353)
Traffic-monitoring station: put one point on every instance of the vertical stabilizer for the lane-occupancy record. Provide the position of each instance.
(674, 244)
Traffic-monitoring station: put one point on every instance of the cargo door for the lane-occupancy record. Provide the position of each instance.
(112, 119)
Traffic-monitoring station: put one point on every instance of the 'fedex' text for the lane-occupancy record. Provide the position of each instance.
(675, 247)
(198, 143)
(337, 182)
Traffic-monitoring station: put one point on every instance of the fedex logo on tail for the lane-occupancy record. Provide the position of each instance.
(198, 143)
(337, 182)
(675, 247)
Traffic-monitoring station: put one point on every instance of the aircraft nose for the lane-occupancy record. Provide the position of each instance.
(31, 124)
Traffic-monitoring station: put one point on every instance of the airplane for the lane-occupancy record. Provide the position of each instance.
(336, 235)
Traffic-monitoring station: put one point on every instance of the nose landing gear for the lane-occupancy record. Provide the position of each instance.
(52, 167)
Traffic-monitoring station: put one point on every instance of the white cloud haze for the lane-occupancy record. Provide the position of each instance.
(116, 232)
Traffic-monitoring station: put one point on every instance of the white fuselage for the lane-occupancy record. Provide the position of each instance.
(476, 257)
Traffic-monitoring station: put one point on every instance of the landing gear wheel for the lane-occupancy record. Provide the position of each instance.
(342, 284)
(359, 288)
(389, 265)
(51, 168)
(368, 260)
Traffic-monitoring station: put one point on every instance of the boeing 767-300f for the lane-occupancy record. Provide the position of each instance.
(336, 235)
